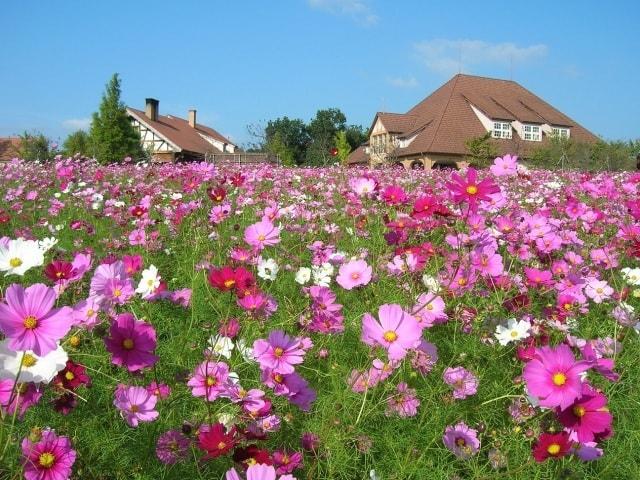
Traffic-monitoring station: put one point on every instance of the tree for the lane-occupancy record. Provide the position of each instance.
(112, 135)
(481, 150)
(322, 131)
(291, 133)
(356, 135)
(77, 142)
(35, 146)
(343, 146)
(566, 153)
(278, 147)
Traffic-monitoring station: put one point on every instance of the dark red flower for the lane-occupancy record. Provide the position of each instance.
(217, 194)
(251, 455)
(224, 279)
(215, 440)
(138, 211)
(58, 270)
(65, 403)
(551, 445)
(72, 376)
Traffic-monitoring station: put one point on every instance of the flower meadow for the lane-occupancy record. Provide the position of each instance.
(248, 322)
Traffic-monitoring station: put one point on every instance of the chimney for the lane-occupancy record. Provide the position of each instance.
(151, 110)
(192, 118)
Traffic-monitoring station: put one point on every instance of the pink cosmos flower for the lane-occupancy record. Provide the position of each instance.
(279, 352)
(29, 320)
(464, 382)
(394, 195)
(172, 446)
(503, 166)
(461, 440)
(10, 403)
(471, 190)
(258, 471)
(588, 416)
(262, 234)
(136, 404)
(49, 458)
(429, 310)
(554, 376)
(354, 274)
(404, 403)
(112, 282)
(397, 331)
(138, 237)
(209, 380)
(131, 343)
(598, 290)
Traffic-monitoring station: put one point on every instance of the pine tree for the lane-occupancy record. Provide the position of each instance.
(112, 136)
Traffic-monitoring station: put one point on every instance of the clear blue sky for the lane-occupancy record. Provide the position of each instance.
(246, 61)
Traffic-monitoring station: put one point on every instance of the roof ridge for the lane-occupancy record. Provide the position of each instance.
(446, 106)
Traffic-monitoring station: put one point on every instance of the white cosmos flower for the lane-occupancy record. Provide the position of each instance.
(18, 256)
(149, 282)
(631, 275)
(303, 275)
(514, 331)
(322, 274)
(431, 283)
(221, 345)
(268, 269)
(34, 368)
(245, 350)
(47, 244)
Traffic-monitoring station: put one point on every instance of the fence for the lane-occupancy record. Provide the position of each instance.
(243, 158)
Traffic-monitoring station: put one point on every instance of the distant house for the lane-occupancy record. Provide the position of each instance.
(433, 133)
(171, 138)
(9, 148)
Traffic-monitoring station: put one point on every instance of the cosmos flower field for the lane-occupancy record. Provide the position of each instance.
(195, 321)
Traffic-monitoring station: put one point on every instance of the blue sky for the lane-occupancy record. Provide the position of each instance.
(248, 61)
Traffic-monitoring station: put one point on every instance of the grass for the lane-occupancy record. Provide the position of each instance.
(355, 435)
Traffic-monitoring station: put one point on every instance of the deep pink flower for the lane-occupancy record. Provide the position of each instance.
(471, 190)
(172, 446)
(29, 320)
(29, 395)
(553, 375)
(209, 380)
(49, 458)
(397, 331)
(136, 404)
(354, 274)
(551, 445)
(279, 352)
(262, 234)
(394, 195)
(131, 343)
(588, 415)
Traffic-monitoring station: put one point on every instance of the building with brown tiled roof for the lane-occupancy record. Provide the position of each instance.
(172, 138)
(434, 132)
(9, 148)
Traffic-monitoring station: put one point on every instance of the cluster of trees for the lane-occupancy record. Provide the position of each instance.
(324, 140)
(110, 139)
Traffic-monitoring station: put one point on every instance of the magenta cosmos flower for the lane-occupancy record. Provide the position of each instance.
(279, 352)
(136, 404)
(587, 416)
(354, 274)
(553, 375)
(262, 234)
(209, 380)
(471, 190)
(50, 458)
(131, 343)
(461, 440)
(397, 331)
(29, 320)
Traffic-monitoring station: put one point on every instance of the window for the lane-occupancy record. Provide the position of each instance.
(532, 133)
(501, 130)
(560, 132)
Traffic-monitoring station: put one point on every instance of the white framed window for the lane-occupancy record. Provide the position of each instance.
(561, 132)
(501, 130)
(532, 133)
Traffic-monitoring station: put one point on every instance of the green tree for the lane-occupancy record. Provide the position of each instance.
(356, 135)
(343, 146)
(35, 146)
(568, 154)
(481, 150)
(322, 131)
(77, 142)
(291, 133)
(112, 135)
(278, 147)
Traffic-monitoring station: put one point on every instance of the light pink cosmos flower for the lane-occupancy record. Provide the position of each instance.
(504, 166)
(258, 471)
(136, 404)
(397, 331)
(354, 274)
(262, 234)
(464, 382)
(209, 380)
(429, 310)
(598, 290)
(138, 237)
(29, 320)
(554, 376)
(279, 352)
(404, 403)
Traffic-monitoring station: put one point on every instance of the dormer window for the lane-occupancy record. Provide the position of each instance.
(532, 133)
(501, 130)
(560, 132)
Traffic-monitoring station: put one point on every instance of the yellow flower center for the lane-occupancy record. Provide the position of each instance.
(559, 379)
(462, 282)
(30, 322)
(69, 376)
(91, 312)
(15, 262)
(46, 460)
(514, 333)
(28, 360)
(472, 189)
(117, 292)
(211, 381)
(277, 378)
(553, 449)
(390, 336)
(127, 344)
(261, 237)
(221, 445)
(229, 283)
(278, 351)
(579, 411)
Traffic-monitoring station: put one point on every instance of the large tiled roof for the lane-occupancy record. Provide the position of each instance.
(447, 120)
(9, 148)
(178, 132)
